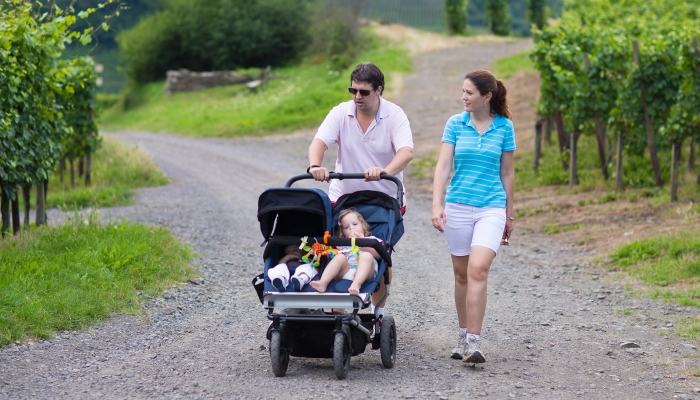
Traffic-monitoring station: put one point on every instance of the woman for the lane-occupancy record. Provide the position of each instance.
(478, 210)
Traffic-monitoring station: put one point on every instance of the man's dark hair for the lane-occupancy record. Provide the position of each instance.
(367, 72)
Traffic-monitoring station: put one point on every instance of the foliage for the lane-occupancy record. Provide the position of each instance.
(300, 97)
(204, 35)
(456, 16)
(497, 16)
(589, 73)
(334, 31)
(117, 169)
(77, 100)
(537, 12)
(64, 278)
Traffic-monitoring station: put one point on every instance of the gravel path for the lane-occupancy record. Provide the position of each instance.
(553, 327)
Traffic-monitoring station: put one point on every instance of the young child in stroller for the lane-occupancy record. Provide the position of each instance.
(292, 260)
(355, 264)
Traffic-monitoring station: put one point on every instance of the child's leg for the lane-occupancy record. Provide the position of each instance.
(365, 269)
(336, 268)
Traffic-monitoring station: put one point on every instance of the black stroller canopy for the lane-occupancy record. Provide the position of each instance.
(294, 212)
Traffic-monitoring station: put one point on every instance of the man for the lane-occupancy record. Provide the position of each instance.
(373, 136)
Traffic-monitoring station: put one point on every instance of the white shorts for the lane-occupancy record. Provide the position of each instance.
(469, 226)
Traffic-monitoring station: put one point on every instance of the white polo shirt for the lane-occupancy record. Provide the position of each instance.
(358, 151)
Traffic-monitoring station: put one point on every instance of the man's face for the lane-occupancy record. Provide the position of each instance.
(365, 103)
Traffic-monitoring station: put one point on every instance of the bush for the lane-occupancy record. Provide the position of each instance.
(203, 35)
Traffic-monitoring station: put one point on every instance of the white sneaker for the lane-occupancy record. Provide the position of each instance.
(474, 354)
(459, 351)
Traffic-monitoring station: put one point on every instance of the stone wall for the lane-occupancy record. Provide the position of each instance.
(185, 81)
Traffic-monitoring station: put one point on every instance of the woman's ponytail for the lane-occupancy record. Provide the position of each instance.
(499, 101)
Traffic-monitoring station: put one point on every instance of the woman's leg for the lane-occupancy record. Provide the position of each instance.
(460, 267)
(479, 263)
(335, 269)
(365, 267)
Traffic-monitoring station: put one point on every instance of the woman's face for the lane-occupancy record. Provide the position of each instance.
(473, 100)
(351, 226)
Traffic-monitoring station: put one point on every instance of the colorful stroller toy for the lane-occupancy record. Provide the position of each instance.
(303, 323)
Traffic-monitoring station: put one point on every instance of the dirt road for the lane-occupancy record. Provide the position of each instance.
(553, 327)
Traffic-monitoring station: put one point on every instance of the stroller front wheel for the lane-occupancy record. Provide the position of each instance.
(341, 353)
(387, 342)
(279, 353)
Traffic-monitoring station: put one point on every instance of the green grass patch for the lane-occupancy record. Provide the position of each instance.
(572, 227)
(117, 169)
(623, 311)
(551, 229)
(68, 277)
(690, 330)
(662, 260)
(296, 97)
(506, 67)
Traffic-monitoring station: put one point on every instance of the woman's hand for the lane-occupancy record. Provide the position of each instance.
(439, 220)
(373, 173)
(508, 229)
(320, 174)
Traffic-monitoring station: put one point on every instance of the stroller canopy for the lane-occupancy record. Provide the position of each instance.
(294, 212)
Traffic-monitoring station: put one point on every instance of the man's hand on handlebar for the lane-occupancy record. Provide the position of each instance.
(320, 174)
(373, 173)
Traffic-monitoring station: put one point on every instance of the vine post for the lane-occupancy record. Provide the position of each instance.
(647, 121)
(539, 127)
(675, 162)
(27, 196)
(573, 158)
(15, 215)
(40, 204)
(618, 162)
(5, 211)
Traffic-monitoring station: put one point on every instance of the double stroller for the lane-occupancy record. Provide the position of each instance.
(307, 323)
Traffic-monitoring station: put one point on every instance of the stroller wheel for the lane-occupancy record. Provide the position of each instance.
(341, 353)
(387, 342)
(279, 353)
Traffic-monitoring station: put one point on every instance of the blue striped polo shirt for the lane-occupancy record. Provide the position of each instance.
(477, 160)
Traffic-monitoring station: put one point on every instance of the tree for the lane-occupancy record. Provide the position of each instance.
(537, 12)
(497, 17)
(456, 16)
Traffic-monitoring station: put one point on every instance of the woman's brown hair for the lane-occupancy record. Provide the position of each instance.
(485, 83)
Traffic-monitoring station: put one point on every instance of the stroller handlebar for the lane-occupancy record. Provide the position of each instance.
(341, 176)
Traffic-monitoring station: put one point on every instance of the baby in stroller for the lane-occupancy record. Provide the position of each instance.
(352, 262)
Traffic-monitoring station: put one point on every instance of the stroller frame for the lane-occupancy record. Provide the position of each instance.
(296, 331)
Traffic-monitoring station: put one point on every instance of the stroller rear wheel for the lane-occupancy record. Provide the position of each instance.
(279, 353)
(387, 342)
(341, 353)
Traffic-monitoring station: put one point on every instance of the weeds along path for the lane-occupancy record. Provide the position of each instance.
(553, 327)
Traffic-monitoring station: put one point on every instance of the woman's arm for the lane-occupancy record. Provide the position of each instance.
(508, 181)
(442, 173)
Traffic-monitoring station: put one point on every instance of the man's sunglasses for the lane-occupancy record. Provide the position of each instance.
(363, 92)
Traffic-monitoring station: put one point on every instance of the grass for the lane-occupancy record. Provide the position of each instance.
(117, 169)
(506, 67)
(296, 97)
(662, 261)
(68, 277)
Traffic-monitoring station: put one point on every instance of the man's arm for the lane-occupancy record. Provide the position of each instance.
(397, 164)
(316, 151)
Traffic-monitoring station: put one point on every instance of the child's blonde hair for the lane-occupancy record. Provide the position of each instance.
(345, 213)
